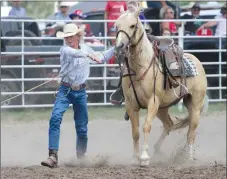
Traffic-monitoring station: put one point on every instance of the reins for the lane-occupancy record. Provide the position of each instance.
(127, 63)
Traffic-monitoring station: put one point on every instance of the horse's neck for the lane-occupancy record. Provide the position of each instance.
(141, 55)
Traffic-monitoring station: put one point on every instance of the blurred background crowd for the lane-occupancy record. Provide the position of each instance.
(110, 10)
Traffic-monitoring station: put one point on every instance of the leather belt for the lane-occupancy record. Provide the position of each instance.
(74, 87)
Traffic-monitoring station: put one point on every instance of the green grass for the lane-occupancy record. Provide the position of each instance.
(107, 113)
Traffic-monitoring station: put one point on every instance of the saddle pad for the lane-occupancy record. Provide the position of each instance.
(189, 66)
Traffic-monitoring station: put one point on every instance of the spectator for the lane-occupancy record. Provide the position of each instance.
(168, 13)
(221, 25)
(166, 32)
(195, 14)
(62, 14)
(160, 4)
(78, 15)
(17, 10)
(113, 10)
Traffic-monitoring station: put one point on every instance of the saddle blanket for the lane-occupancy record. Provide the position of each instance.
(189, 68)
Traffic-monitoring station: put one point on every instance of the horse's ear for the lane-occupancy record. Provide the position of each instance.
(137, 13)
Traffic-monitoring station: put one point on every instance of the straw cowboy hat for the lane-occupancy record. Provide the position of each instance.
(64, 4)
(70, 30)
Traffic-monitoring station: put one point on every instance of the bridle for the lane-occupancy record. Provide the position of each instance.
(133, 35)
(126, 59)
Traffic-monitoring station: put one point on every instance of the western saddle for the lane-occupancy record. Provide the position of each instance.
(170, 56)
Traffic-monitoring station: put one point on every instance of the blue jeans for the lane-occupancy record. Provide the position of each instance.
(65, 97)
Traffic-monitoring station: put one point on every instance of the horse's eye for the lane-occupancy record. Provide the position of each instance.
(132, 26)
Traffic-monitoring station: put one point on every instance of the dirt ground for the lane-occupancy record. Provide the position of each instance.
(24, 146)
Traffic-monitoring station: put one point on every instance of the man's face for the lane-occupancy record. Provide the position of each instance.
(195, 12)
(72, 41)
(169, 14)
(64, 9)
(16, 3)
(77, 18)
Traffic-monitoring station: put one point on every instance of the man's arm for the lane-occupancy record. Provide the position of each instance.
(208, 24)
(100, 57)
(107, 55)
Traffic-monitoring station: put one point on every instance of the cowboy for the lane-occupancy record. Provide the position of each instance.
(74, 59)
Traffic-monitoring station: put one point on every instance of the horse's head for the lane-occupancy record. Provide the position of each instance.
(129, 30)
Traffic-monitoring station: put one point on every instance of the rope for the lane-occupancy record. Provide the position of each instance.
(44, 84)
(29, 90)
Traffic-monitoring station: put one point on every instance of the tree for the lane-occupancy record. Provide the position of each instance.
(38, 9)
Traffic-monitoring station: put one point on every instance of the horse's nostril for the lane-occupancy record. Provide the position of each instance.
(121, 45)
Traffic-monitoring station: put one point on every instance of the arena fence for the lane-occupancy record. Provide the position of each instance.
(26, 63)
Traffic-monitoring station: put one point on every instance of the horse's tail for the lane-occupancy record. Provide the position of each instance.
(205, 105)
(182, 123)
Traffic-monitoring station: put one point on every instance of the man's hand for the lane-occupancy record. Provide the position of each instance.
(94, 58)
(201, 27)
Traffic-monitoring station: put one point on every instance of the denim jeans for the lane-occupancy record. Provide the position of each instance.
(64, 98)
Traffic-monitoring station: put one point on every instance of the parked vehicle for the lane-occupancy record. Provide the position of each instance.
(14, 29)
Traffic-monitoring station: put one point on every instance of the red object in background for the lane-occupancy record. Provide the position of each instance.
(112, 60)
(204, 32)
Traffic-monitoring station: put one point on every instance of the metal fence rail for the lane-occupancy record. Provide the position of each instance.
(22, 67)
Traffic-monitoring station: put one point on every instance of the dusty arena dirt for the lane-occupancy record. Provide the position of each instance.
(24, 146)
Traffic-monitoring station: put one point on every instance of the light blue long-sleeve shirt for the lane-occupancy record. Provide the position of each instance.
(75, 64)
(17, 11)
(60, 16)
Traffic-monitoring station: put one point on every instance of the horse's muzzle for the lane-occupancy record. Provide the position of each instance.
(119, 48)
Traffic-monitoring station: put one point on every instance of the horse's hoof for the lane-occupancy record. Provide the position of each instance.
(144, 162)
(135, 162)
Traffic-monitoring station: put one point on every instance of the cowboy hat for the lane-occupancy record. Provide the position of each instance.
(76, 13)
(64, 4)
(70, 29)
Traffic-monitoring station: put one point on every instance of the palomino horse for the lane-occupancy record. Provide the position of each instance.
(144, 88)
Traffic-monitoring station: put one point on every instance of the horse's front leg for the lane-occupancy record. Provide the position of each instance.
(151, 113)
(134, 118)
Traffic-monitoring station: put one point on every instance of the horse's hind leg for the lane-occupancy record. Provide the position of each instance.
(163, 115)
(194, 105)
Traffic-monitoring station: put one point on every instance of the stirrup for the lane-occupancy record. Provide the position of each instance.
(116, 102)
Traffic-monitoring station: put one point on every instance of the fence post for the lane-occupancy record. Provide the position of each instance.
(22, 64)
(220, 65)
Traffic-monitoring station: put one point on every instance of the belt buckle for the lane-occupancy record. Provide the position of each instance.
(75, 87)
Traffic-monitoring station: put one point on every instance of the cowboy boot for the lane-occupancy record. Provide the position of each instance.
(81, 147)
(52, 160)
